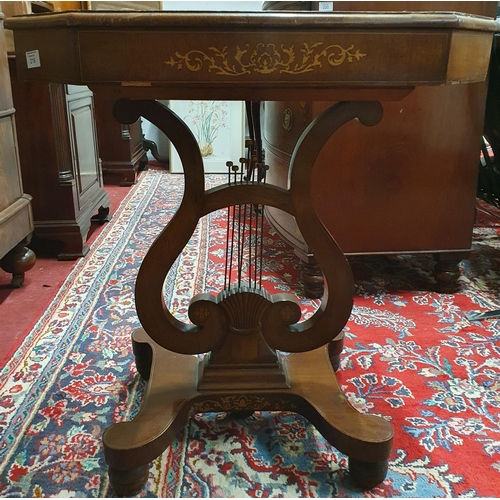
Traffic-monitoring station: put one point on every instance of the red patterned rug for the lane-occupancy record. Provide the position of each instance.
(411, 356)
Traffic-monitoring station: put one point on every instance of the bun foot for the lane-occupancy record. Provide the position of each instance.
(19, 260)
(446, 273)
(126, 483)
(17, 280)
(367, 475)
(312, 279)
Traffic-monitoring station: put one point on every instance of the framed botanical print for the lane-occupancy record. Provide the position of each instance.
(219, 128)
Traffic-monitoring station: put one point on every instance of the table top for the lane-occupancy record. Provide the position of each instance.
(265, 20)
(253, 56)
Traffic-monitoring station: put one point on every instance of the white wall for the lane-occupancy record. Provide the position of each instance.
(149, 130)
(220, 5)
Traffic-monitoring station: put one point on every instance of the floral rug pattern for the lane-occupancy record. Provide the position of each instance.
(411, 356)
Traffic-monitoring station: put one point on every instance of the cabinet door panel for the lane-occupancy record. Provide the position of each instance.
(10, 177)
(86, 163)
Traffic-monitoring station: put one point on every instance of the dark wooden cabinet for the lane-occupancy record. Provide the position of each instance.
(120, 146)
(407, 185)
(58, 155)
(59, 162)
(16, 221)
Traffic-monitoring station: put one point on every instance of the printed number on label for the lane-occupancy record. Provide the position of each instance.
(33, 59)
(325, 6)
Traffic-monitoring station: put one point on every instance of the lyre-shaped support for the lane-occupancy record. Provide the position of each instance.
(330, 318)
(243, 368)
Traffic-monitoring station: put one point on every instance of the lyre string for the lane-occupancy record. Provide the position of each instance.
(244, 227)
(262, 178)
(250, 176)
(241, 229)
(226, 266)
(230, 228)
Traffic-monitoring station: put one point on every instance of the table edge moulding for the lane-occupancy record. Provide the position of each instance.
(254, 352)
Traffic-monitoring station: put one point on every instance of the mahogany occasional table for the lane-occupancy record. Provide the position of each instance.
(253, 351)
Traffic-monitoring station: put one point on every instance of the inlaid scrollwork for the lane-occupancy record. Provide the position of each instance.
(265, 59)
(243, 402)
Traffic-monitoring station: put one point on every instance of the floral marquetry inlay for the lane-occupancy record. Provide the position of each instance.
(266, 59)
(244, 402)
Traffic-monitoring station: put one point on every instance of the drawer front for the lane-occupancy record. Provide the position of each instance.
(284, 122)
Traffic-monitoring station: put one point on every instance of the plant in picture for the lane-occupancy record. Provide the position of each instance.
(207, 118)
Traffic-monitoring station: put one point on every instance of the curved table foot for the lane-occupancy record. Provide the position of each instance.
(360, 436)
(367, 475)
(173, 394)
(126, 483)
(143, 355)
(335, 348)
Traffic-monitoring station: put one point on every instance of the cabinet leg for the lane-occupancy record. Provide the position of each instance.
(102, 215)
(143, 163)
(446, 273)
(126, 483)
(19, 260)
(312, 278)
(151, 146)
(130, 178)
(74, 243)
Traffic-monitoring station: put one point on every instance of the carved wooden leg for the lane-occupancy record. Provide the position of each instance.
(446, 273)
(365, 439)
(246, 370)
(172, 394)
(129, 447)
(18, 261)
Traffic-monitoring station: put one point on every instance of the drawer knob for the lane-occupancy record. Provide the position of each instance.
(287, 120)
